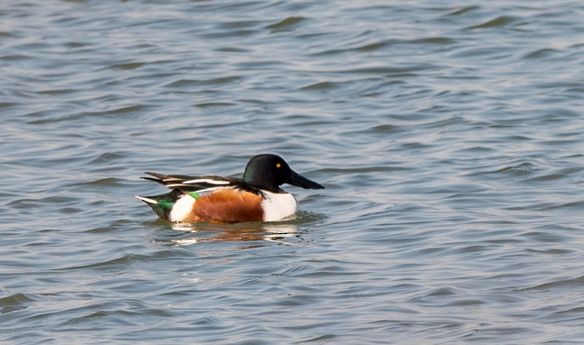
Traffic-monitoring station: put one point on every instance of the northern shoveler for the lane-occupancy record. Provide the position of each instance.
(255, 197)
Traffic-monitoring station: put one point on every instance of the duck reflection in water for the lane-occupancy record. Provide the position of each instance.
(236, 233)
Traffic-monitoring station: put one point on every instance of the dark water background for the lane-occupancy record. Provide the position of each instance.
(449, 135)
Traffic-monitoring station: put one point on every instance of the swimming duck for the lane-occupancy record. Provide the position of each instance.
(255, 197)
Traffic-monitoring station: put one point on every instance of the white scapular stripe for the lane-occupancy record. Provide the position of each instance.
(206, 180)
(278, 206)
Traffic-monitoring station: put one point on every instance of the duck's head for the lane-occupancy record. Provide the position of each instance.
(267, 171)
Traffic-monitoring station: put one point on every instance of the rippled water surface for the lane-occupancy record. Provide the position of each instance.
(449, 135)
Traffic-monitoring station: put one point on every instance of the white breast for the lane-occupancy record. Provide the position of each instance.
(278, 206)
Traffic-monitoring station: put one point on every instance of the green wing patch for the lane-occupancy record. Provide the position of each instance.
(165, 204)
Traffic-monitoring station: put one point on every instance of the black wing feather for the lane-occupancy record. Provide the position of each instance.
(192, 183)
(183, 182)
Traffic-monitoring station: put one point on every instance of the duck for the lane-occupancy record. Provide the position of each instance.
(256, 197)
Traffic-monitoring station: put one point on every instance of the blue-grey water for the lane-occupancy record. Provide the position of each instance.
(449, 135)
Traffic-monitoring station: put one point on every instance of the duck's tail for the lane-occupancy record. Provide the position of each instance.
(161, 204)
(147, 200)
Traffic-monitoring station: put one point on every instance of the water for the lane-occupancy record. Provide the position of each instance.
(449, 137)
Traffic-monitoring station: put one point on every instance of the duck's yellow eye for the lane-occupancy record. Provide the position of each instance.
(278, 165)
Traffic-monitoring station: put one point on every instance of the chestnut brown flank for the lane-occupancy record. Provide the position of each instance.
(228, 205)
